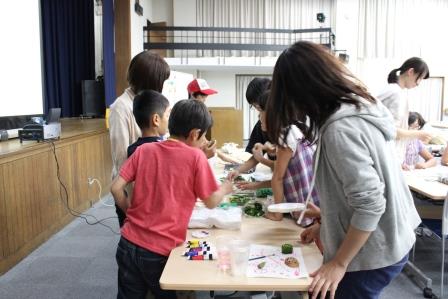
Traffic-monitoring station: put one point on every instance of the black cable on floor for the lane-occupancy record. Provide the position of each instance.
(66, 203)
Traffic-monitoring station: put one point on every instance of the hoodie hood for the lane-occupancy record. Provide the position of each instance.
(375, 113)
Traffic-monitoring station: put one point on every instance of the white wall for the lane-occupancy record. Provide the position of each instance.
(162, 11)
(137, 24)
(224, 82)
(184, 12)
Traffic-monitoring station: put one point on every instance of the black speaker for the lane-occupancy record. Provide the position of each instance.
(93, 100)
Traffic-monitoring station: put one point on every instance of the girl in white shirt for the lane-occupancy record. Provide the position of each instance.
(407, 76)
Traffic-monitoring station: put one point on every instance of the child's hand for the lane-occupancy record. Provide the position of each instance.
(420, 166)
(209, 149)
(405, 167)
(257, 151)
(310, 234)
(233, 174)
(269, 148)
(227, 187)
(274, 216)
(247, 185)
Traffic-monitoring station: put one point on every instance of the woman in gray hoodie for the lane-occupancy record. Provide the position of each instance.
(367, 213)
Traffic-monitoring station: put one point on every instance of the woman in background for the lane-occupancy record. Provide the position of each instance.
(146, 71)
(407, 76)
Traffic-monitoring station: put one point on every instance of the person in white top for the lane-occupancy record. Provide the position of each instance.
(407, 76)
(146, 71)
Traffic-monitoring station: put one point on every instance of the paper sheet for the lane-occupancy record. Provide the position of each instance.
(275, 266)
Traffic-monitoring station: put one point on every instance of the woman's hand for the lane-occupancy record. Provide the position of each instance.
(327, 278)
(274, 216)
(424, 136)
(312, 211)
(310, 234)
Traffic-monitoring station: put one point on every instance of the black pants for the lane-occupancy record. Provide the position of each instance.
(139, 271)
(368, 284)
(121, 215)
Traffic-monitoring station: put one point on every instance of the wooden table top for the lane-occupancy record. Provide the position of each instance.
(183, 274)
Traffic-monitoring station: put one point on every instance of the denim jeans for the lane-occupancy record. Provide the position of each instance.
(139, 271)
(368, 284)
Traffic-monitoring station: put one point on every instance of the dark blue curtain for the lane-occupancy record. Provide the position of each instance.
(68, 51)
(108, 52)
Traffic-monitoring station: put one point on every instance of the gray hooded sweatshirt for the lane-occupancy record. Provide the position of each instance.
(361, 184)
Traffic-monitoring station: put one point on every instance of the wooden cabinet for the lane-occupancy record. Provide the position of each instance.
(227, 125)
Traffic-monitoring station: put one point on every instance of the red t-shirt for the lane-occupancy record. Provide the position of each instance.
(169, 176)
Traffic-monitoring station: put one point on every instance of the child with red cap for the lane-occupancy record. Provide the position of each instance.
(199, 90)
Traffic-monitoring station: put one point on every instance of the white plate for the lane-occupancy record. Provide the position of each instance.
(286, 207)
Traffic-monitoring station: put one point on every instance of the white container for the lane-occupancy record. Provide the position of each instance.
(239, 257)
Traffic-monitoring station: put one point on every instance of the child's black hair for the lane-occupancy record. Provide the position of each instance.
(256, 88)
(146, 104)
(187, 115)
(413, 116)
(263, 100)
(194, 95)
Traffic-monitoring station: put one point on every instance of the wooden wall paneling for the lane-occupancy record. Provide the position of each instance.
(65, 156)
(26, 192)
(227, 125)
(106, 157)
(13, 215)
(19, 182)
(4, 249)
(84, 150)
(38, 190)
(122, 19)
(92, 159)
(56, 198)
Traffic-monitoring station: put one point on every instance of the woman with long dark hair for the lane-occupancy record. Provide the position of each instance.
(407, 76)
(368, 215)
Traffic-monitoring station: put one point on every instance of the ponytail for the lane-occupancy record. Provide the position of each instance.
(420, 68)
(392, 77)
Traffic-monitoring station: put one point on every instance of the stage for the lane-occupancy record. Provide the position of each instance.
(32, 202)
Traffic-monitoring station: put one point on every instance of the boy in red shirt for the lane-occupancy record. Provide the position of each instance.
(168, 177)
